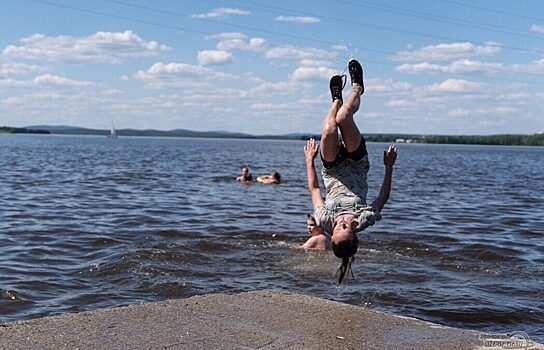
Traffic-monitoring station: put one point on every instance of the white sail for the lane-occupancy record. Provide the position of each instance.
(112, 134)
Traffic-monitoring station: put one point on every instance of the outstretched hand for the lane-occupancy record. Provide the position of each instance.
(390, 156)
(310, 150)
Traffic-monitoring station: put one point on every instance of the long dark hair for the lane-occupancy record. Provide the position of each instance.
(345, 250)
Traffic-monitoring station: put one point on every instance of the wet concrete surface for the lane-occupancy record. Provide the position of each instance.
(250, 320)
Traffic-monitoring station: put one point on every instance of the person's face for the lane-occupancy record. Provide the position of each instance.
(313, 230)
(245, 171)
(344, 227)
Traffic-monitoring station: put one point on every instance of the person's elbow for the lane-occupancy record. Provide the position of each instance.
(379, 202)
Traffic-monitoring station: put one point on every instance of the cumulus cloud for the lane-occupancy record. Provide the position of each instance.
(315, 63)
(454, 85)
(14, 83)
(290, 52)
(531, 67)
(55, 80)
(446, 52)
(101, 47)
(10, 101)
(458, 112)
(208, 57)
(500, 110)
(19, 69)
(268, 88)
(268, 106)
(175, 75)
(298, 19)
(537, 28)
(400, 103)
(459, 66)
(226, 36)
(221, 12)
(45, 80)
(388, 86)
(312, 73)
(253, 44)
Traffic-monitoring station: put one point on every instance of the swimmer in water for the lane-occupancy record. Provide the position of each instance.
(319, 240)
(273, 178)
(245, 175)
(344, 212)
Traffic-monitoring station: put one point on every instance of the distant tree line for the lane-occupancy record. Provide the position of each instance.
(11, 130)
(506, 139)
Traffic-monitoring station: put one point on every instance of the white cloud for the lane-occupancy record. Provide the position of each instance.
(298, 19)
(537, 28)
(221, 12)
(48, 79)
(312, 73)
(531, 67)
(459, 66)
(516, 97)
(400, 103)
(315, 63)
(207, 57)
(11, 101)
(19, 69)
(101, 47)
(501, 110)
(445, 52)
(455, 85)
(45, 80)
(254, 44)
(226, 36)
(290, 51)
(458, 112)
(223, 110)
(268, 106)
(268, 88)
(387, 86)
(13, 83)
(467, 66)
(176, 75)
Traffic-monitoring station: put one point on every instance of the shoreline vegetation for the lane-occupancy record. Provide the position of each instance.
(502, 139)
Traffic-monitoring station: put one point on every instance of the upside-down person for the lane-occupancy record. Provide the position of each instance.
(344, 212)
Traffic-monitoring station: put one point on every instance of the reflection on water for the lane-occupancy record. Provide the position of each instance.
(90, 222)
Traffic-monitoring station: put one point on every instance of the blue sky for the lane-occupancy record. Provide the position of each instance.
(431, 67)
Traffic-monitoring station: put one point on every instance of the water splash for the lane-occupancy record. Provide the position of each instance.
(349, 53)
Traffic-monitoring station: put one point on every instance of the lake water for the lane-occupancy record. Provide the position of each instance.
(92, 222)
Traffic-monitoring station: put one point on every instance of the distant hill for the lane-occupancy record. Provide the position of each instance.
(51, 127)
(11, 130)
(73, 130)
(505, 139)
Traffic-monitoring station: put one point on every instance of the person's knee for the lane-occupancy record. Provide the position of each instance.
(343, 117)
(329, 128)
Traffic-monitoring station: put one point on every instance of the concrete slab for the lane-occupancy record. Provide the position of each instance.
(251, 320)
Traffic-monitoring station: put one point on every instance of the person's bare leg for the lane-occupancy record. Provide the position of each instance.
(330, 146)
(344, 119)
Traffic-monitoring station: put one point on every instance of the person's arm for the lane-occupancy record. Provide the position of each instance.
(310, 152)
(389, 158)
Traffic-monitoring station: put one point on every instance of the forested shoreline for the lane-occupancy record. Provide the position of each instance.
(499, 140)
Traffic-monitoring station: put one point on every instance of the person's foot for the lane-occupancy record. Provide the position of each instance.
(356, 74)
(336, 86)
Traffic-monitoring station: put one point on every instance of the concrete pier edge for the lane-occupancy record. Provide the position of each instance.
(249, 320)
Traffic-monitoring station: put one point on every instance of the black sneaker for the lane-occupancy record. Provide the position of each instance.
(337, 85)
(356, 73)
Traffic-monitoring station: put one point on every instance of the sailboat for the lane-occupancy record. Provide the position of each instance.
(113, 134)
